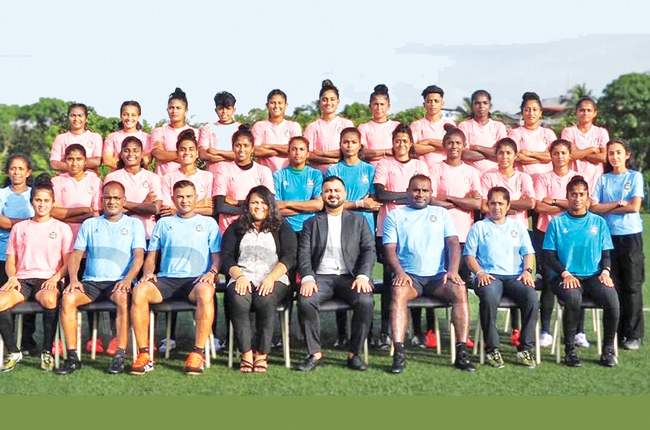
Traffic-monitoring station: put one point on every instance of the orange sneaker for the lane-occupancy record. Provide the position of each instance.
(99, 346)
(514, 338)
(142, 365)
(57, 348)
(470, 342)
(194, 364)
(431, 340)
(112, 347)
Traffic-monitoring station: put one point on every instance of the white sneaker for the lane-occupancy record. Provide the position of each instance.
(581, 340)
(162, 346)
(545, 340)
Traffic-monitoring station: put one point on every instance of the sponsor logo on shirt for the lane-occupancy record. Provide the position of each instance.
(90, 190)
(565, 230)
(145, 184)
(594, 230)
(199, 228)
(514, 233)
(285, 183)
(627, 186)
(364, 179)
(433, 218)
(53, 235)
(311, 183)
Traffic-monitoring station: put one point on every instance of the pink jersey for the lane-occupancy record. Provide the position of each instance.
(395, 176)
(326, 136)
(377, 135)
(217, 136)
(137, 188)
(518, 184)
(553, 186)
(538, 140)
(70, 193)
(168, 136)
(483, 135)
(596, 136)
(234, 182)
(456, 182)
(92, 142)
(39, 247)
(267, 132)
(424, 129)
(113, 143)
(202, 180)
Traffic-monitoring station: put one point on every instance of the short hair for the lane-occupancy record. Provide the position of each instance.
(432, 89)
(575, 181)
(332, 179)
(75, 147)
(451, 130)
(78, 105)
(419, 177)
(114, 184)
(403, 128)
(506, 141)
(224, 99)
(584, 99)
(298, 139)
(183, 184)
(499, 190)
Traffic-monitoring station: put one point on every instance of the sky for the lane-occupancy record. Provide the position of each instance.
(105, 52)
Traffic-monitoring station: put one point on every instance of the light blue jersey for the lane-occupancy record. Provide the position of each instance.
(109, 246)
(420, 237)
(613, 188)
(499, 248)
(15, 206)
(579, 242)
(298, 185)
(185, 245)
(358, 180)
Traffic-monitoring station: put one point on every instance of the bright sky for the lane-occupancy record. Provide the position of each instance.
(104, 52)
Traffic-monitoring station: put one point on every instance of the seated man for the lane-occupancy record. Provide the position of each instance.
(114, 246)
(576, 248)
(189, 245)
(336, 254)
(416, 239)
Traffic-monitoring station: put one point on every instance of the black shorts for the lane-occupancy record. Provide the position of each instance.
(175, 288)
(29, 287)
(99, 291)
(426, 285)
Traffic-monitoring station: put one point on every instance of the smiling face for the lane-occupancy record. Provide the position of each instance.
(187, 152)
(276, 106)
(532, 113)
(258, 208)
(433, 104)
(379, 107)
(225, 114)
(18, 172)
(243, 149)
(131, 155)
(113, 201)
(177, 110)
(328, 102)
(42, 202)
(130, 117)
(617, 156)
(418, 193)
(454, 145)
(184, 200)
(334, 194)
(401, 146)
(498, 206)
(76, 163)
(350, 145)
(77, 119)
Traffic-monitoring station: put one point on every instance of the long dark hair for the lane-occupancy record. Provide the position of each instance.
(273, 219)
(629, 163)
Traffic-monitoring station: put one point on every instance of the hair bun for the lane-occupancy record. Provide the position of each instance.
(327, 84)
(187, 134)
(43, 179)
(449, 127)
(381, 89)
(244, 127)
(529, 95)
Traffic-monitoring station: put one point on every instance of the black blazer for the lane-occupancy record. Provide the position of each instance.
(357, 241)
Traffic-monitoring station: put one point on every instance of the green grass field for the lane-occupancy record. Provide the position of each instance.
(426, 374)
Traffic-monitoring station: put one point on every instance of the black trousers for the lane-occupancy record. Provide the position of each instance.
(490, 296)
(572, 300)
(336, 286)
(628, 273)
(264, 307)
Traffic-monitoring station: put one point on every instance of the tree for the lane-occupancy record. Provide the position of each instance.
(570, 99)
(306, 114)
(357, 112)
(465, 110)
(409, 115)
(624, 111)
(252, 117)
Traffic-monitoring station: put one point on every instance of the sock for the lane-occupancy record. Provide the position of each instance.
(120, 352)
(7, 331)
(143, 350)
(399, 346)
(72, 355)
(461, 347)
(199, 350)
(49, 327)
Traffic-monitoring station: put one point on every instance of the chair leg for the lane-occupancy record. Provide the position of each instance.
(555, 327)
(133, 344)
(538, 355)
(391, 350)
(365, 351)
(616, 345)
(557, 339)
(19, 336)
(231, 347)
(284, 320)
(79, 334)
(213, 349)
(208, 350)
(452, 341)
(56, 342)
(506, 321)
(64, 343)
(2, 352)
(596, 312)
(595, 321)
(168, 334)
(477, 337)
(93, 352)
(436, 325)
(152, 331)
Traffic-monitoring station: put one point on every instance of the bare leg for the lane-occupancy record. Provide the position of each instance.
(456, 294)
(122, 318)
(203, 295)
(143, 294)
(399, 312)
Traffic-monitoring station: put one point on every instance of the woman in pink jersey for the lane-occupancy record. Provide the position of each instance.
(215, 140)
(37, 256)
(129, 126)
(78, 133)
(188, 152)
(532, 139)
(589, 142)
(164, 138)
(235, 179)
(271, 136)
(377, 134)
(551, 195)
(324, 134)
(142, 187)
(429, 131)
(482, 133)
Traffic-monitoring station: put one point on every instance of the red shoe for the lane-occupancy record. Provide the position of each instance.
(112, 347)
(470, 342)
(431, 341)
(514, 338)
(57, 348)
(99, 346)
(195, 364)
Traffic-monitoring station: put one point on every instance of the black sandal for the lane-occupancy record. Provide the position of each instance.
(246, 366)
(261, 364)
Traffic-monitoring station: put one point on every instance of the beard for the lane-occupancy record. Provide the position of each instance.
(337, 205)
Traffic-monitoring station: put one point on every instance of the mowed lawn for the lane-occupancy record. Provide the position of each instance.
(426, 373)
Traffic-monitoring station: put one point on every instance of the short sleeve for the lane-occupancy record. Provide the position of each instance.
(295, 129)
(471, 243)
(214, 239)
(139, 235)
(450, 227)
(318, 184)
(550, 239)
(527, 185)
(258, 133)
(381, 172)
(66, 239)
(526, 244)
(267, 178)
(277, 183)
(154, 241)
(220, 185)
(205, 137)
(96, 202)
(310, 135)
(155, 185)
(475, 180)
(81, 243)
(58, 148)
(109, 144)
(390, 229)
(637, 185)
(540, 187)
(596, 194)
(98, 144)
(371, 178)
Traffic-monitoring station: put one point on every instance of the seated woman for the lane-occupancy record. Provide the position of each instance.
(499, 253)
(257, 252)
(37, 256)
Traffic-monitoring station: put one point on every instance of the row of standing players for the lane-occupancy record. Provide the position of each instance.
(586, 149)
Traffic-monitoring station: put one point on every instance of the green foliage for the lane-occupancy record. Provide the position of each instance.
(409, 115)
(624, 111)
(357, 112)
(252, 117)
(306, 114)
(465, 110)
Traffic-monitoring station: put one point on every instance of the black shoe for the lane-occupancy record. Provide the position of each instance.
(356, 363)
(311, 363)
(69, 366)
(384, 341)
(462, 362)
(341, 343)
(572, 360)
(608, 359)
(117, 366)
(399, 362)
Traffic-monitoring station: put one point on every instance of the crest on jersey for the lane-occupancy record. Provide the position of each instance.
(145, 184)
(285, 183)
(199, 228)
(565, 230)
(339, 130)
(494, 135)
(433, 218)
(594, 230)
(466, 180)
(364, 179)
(311, 183)
(90, 144)
(90, 190)
(124, 232)
(596, 142)
(258, 181)
(287, 132)
(202, 189)
(545, 140)
(514, 233)
(627, 186)
(53, 235)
